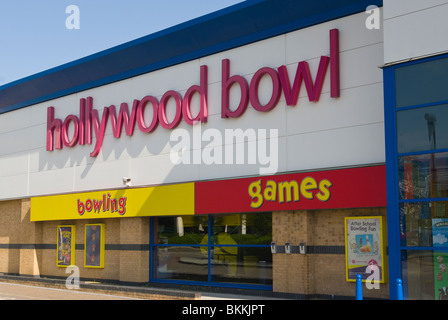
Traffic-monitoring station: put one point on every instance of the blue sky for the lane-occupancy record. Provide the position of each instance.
(34, 37)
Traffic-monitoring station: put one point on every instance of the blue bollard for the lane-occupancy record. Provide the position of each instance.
(399, 289)
(358, 287)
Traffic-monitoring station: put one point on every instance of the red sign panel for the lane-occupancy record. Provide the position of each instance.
(344, 188)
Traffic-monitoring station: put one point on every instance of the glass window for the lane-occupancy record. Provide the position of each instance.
(427, 278)
(421, 83)
(181, 263)
(421, 124)
(418, 223)
(423, 176)
(422, 129)
(243, 229)
(242, 264)
(238, 252)
(181, 230)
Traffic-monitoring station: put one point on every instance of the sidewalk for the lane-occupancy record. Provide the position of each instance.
(139, 292)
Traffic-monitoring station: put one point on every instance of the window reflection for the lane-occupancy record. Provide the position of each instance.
(421, 83)
(423, 179)
(243, 229)
(423, 176)
(239, 248)
(418, 222)
(181, 230)
(181, 263)
(242, 265)
(427, 278)
(419, 267)
(422, 129)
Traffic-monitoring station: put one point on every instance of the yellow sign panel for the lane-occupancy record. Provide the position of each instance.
(153, 201)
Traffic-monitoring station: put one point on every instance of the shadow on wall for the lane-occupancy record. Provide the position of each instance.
(147, 157)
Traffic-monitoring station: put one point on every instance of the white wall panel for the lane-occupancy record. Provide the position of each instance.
(14, 186)
(97, 175)
(332, 132)
(360, 106)
(414, 28)
(14, 164)
(248, 59)
(51, 181)
(159, 170)
(396, 8)
(16, 120)
(227, 170)
(339, 147)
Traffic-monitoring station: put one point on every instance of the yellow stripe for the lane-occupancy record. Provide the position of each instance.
(140, 202)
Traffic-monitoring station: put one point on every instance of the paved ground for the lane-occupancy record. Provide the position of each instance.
(29, 288)
(14, 291)
(10, 291)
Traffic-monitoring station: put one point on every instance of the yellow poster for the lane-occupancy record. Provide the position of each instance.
(365, 248)
(94, 246)
(65, 246)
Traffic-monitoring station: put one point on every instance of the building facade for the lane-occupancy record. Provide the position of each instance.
(277, 154)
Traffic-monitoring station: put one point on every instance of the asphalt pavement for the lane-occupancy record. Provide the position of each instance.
(13, 291)
(37, 288)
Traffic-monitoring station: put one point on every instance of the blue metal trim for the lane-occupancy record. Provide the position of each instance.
(424, 105)
(422, 200)
(242, 245)
(420, 60)
(178, 245)
(425, 248)
(151, 248)
(393, 226)
(245, 23)
(216, 284)
(211, 224)
(417, 153)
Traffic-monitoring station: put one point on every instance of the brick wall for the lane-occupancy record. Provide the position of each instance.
(10, 213)
(29, 248)
(134, 263)
(315, 274)
(126, 258)
(30, 234)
